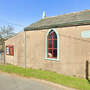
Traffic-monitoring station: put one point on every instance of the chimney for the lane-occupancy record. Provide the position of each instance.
(44, 15)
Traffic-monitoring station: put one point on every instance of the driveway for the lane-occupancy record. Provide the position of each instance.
(12, 82)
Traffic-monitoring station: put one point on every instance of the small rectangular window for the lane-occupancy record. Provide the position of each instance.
(10, 50)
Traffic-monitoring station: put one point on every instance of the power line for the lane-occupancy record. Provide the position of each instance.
(17, 24)
(8, 23)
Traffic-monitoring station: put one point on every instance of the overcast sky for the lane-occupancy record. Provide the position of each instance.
(20, 13)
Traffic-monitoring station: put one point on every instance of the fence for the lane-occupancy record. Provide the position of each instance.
(2, 58)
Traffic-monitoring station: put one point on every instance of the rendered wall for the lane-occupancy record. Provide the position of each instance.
(18, 42)
(74, 51)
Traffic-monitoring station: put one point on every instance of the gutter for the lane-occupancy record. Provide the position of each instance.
(24, 49)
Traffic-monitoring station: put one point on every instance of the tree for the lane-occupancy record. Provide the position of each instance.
(6, 32)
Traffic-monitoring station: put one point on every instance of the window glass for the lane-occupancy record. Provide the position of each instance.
(52, 44)
(55, 53)
(11, 50)
(54, 35)
(49, 36)
(7, 50)
(50, 53)
(49, 43)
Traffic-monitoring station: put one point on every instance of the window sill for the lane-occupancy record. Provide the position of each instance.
(9, 55)
(52, 59)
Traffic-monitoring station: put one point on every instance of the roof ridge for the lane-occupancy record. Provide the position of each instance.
(78, 18)
(68, 14)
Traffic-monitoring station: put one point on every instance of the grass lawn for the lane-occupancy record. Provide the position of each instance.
(68, 81)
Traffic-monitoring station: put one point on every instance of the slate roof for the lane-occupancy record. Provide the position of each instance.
(66, 20)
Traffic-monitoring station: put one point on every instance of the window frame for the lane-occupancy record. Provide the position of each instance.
(9, 48)
(46, 46)
(50, 44)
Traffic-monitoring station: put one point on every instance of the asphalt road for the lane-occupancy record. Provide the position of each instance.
(10, 82)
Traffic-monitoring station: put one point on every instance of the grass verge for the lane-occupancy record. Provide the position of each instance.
(73, 82)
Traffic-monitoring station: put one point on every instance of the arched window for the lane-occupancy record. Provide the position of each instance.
(52, 45)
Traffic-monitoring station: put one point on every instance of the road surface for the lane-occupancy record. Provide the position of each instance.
(12, 82)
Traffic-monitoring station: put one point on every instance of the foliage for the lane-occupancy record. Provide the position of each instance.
(74, 82)
(6, 31)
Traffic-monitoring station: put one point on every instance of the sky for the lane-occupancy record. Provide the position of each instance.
(21, 13)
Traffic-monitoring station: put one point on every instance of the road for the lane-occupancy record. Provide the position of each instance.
(12, 82)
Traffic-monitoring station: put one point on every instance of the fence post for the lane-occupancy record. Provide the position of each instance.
(87, 69)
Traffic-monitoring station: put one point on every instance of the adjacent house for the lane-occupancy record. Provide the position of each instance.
(60, 44)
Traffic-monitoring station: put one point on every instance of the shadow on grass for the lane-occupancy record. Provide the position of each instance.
(88, 81)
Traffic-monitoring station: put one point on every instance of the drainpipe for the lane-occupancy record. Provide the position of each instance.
(24, 49)
(4, 52)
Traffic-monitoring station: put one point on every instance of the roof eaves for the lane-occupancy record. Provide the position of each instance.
(69, 24)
